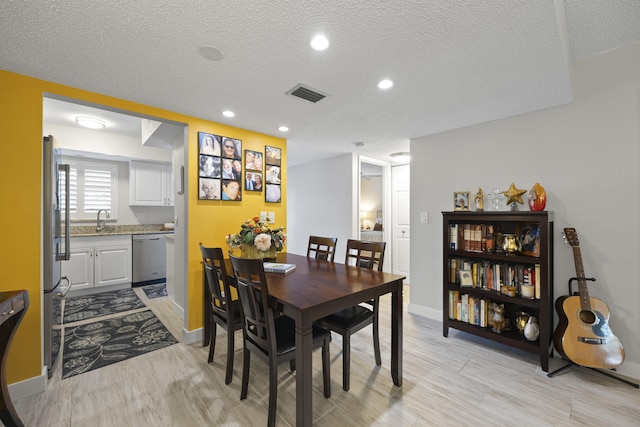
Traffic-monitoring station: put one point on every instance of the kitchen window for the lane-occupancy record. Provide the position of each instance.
(93, 185)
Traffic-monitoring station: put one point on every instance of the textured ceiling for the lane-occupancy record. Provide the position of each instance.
(454, 63)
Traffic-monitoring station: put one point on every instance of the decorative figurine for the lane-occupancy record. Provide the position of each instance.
(514, 195)
(496, 197)
(537, 198)
(532, 330)
(499, 323)
(479, 198)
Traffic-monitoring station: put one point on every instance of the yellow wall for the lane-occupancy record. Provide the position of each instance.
(21, 195)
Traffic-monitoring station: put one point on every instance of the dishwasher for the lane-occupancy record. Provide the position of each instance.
(149, 259)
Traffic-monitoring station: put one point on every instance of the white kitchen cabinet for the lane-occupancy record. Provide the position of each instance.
(150, 184)
(99, 261)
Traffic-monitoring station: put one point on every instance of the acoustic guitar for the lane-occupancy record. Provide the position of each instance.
(583, 335)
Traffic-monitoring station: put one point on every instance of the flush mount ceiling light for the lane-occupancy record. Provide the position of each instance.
(401, 157)
(228, 113)
(90, 122)
(385, 84)
(283, 129)
(359, 144)
(211, 53)
(319, 42)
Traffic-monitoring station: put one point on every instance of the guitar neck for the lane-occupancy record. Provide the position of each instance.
(585, 303)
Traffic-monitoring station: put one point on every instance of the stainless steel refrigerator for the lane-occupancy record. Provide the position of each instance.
(56, 234)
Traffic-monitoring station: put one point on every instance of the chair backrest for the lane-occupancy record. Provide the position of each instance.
(365, 254)
(258, 319)
(217, 279)
(322, 248)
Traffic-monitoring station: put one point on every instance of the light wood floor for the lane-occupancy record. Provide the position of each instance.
(455, 381)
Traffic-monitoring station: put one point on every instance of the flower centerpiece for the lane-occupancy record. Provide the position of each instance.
(257, 240)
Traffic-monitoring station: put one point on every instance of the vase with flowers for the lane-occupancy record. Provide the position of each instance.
(257, 239)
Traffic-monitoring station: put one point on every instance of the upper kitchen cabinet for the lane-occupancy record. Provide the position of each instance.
(150, 184)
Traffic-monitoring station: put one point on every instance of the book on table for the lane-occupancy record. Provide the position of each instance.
(276, 267)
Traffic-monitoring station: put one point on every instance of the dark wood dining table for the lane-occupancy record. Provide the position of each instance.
(316, 289)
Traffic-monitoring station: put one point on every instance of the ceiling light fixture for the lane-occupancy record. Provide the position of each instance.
(211, 53)
(283, 129)
(90, 122)
(319, 42)
(401, 157)
(228, 113)
(359, 144)
(385, 84)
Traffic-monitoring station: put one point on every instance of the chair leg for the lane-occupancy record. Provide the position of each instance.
(245, 372)
(230, 339)
(292, 365)
(212, 341)
(273, 392)
(376, 341)
(326, 368)
(346, 361)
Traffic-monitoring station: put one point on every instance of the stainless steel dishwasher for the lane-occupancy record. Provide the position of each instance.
(149, 259)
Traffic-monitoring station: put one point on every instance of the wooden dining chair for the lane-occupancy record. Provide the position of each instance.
(363, 254)
(272, 338)
(322, 248)
(225, 311)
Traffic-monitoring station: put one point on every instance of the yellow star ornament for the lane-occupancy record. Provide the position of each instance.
(514, 195)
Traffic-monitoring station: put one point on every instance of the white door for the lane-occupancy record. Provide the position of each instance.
(400, 215)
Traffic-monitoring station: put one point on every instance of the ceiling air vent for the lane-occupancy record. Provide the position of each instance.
(306, 93)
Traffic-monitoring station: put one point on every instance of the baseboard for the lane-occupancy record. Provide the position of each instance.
(191, 337)
(179, 311)
(421, 310)
(29, 387)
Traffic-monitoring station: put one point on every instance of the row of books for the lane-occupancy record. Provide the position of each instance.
(469, 309)
(472, 237)
(490, 275)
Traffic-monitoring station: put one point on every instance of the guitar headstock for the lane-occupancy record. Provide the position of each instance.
(571, 237)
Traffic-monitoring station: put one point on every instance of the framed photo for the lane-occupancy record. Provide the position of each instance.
(252, 181)
(461, 201)
(209, 166)
(209, 143)
(208, 189)
(272, 174)
(466, 279)
(252, 160)
(272, 193)
(231, 190)
(273, 155)
(231, 148)
(529, 238)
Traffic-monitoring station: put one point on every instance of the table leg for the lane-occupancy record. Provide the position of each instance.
(396, 335)
(8, 413)
(304, 350)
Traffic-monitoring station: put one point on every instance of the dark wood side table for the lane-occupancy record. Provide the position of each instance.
(13, 306)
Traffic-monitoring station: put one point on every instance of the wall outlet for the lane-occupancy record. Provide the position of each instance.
(263, 216)
(272, 217)
(140, 216)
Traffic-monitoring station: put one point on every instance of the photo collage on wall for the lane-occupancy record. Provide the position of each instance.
(272, 174)
(220, 167)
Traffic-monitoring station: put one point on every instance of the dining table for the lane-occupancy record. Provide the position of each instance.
(315, 289)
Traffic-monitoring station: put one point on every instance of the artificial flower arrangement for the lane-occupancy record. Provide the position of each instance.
(254, 232)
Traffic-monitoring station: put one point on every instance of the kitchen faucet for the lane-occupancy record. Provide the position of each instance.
(100, 227)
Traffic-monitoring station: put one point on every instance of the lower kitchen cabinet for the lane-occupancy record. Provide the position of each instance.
(99, 261)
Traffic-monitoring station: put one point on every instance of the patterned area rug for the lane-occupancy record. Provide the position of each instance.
(102, 343)
(155, 291)
(98, 305)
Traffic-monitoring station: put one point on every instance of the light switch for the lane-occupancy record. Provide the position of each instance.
(272, 217)
(424, 217)
(263, 216)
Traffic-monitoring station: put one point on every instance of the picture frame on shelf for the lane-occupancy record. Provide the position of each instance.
(529, 237)
(461, 201)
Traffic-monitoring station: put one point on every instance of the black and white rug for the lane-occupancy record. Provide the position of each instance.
(155, 291)
(98, 305)
(102, 343)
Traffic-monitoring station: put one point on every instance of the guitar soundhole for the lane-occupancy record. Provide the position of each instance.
(587, 317)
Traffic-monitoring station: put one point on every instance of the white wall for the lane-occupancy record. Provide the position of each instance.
(586, 156)
(321, 200)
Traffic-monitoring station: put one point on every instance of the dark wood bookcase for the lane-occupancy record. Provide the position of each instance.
(542, 307)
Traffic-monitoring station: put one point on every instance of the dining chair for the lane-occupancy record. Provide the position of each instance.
(322, 248)
(363, 254)
(225, 311)
(272, 338)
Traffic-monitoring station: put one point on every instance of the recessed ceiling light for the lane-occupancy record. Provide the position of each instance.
(228, 113)
(283, 129)
(211, 53)
(401, 157)
(385, 84)
(90, 122)
(319, 42)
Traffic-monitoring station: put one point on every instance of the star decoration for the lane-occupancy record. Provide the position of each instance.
(514, 194)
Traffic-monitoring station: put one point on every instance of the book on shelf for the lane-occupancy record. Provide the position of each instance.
(275, 267)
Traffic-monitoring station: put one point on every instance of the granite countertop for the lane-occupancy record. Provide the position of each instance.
(117, 230)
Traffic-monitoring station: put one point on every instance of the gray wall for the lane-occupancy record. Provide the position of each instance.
(586, 156)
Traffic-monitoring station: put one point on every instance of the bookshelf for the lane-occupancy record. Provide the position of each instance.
(472, 242)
